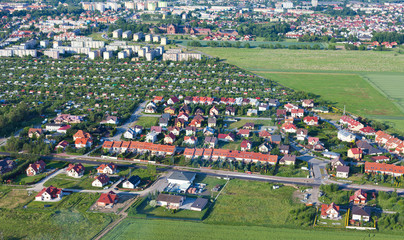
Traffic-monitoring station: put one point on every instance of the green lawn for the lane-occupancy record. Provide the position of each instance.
(24, 179)
(68, 219)
(146, 229)
(252, 203)
(257, 123)
(145, 210)
(147, 122)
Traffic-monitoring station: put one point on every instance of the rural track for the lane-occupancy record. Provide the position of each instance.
(123, 214)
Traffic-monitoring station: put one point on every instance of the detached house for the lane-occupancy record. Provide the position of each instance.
(308, 103)
(212, 122)
(131, 182)
(172, 100)
(75, 170)
(190, 140)
(81, 134)
(355, 153)
(297, 113)
(243, 132)
(109, 168)
(301, 134)
(107, 200)
(49, 194)
(288, 160)
(264, 134)
(37, 132)
(229, 137)
(230, 111)
(330, 211)
(311, 121)
(264, 148)
(170, 201)
(190, 131)
(169, 138)
(361, 213)
(110, 120)
(213, 111)
(359, 197)
(289, 128)
(36, 168)
(342, 172)
(210, 142)
(100, 181)
(83, 143)
(245, 145)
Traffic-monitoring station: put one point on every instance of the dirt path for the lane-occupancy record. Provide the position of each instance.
(123, 214)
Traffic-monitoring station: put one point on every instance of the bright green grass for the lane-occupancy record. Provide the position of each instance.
(358, 96)
(310, 60)
(166, 230)
(257, 123)
(252, 203)
(68, 219)
(147, 122)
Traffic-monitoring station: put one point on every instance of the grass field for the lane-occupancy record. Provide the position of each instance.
(147, 122)
(310, 60)
(67, 219)
(166, 230)
(254, 44)
(258, 123)
(342, 89)
(252, 203)
(368, 83)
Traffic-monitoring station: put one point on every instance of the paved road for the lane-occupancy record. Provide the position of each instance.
(123, 128)
(40, 185)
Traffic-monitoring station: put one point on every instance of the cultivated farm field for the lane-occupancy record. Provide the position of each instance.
(146, 229)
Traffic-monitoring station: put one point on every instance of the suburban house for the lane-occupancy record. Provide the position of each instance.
(151, 137)
(110, 120)
(226, 137)
(301, 134)
(158, 99)
(379, 159)
(107, 200)
(289, 128)
(35, 132)
(169, 110)
(284, 149)
(361, 213)
(210, 142)
(131, 182)
(313, 140)
(100, 181)
(273, 103)
(230, 111)
(276, 139)
(195, 123)
(75, 170)
(331, 155)
(63, 129)
(346, 136)
(252, 112)
(190, 131)
(264, 134)
(52, 127)
(199, 204)
(183, 116)
(208, 131)
(288, 160)
(150, 108)
(308, 103)
(62, 145)
(280, 113)
(170, 201)
(367, 131)
(243, 132)
(213, 111)
(67, 118)
(351, 123)
(342, 172)
(249, 125)
(169, 138)
(173, 100)
(174, 130)
(81, 134)
(49, 194)
(163, 122)
(131, 133)
(190, 140)
(330, 211)
(83, 142)
(264, 147)
(109, 168)
(311, 121)
(288, 107)
(335, 162)
(297, 113)
(36, 168)
(245, 145)
(212, 122)
(367, 149)
(355, 153)
(359, 197)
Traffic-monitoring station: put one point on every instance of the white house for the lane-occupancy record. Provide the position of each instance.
(49, 194)
(361, 213)
(346, 136)
(132, 182)
(100, 181)
(342, 172)
(151, 137)
(75, 170)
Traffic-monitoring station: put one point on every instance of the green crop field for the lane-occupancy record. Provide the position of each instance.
(309, 60)
(368, 83)
(166, 230)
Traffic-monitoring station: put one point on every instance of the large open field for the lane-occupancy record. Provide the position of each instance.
(368, 83)
(166, 230)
